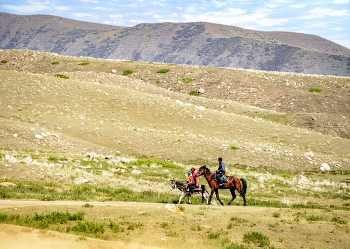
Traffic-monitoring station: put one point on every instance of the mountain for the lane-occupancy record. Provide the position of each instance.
(201, 44)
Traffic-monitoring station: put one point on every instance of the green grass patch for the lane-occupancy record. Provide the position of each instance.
(187, 80)
(285, 176)
(315, 218)
(55, 62)
(4, 61)
(164, 164)
(194, 93)
(163, 70)
(339, 220)
(84, 63)
(257, 238)
(127, 72)
(315, 90)
(234, 147)
(236, 246)
(58, 75)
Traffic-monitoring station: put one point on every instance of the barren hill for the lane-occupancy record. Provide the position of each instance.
(201, 44)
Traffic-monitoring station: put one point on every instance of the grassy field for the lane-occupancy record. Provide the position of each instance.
(149, 120)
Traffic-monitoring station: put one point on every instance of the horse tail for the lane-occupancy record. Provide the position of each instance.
(204, 189)
(244, 187)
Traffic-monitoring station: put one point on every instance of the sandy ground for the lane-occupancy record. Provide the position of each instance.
(17, 237)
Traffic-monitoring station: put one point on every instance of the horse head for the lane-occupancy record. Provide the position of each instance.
(202, 170)
(173, 184)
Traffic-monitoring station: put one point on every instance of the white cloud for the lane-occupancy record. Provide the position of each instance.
(102, 9)
(218, 4)
(315, 25)
(115, 16)
(341, 1)
(320, 13)
(89, 1)
(179, 8)
(83, 15)
(191, 9)
(32, 7)
(338, 29)
(136, 21)
(298, 6)
(174, 15)
(157, 16)
(157, 3)
(62, 8)
(271, 5)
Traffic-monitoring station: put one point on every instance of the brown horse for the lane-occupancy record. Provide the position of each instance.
(233, 183)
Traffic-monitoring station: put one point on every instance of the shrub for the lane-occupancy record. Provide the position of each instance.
(163, 70)
(213, 235)
(194, 93)
(89, 227)
(187, 80)
(314, 218)
(4, 61)
(237, 246)
(315, 90)
(276, 214)
(127, 72)
(339, 220)
(234, 147)
(55, 62)
(285, 176)
(257, 238)
(84, 63)
(61, 76)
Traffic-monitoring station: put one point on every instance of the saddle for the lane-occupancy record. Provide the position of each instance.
(225, 177)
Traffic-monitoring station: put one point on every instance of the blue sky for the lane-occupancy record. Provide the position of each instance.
(328, 19)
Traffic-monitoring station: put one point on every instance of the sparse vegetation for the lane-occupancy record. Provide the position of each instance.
(127, 72)
(55, 62)
(187, 80)
(84, 63)
(257, 238)
(315, 90)
(61, 76)
(234, 147)
(194, 93)
(163, 70)
(4, 61)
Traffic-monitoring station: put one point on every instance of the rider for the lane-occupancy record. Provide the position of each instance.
(195, 177)
(190, 182)
(220, 171)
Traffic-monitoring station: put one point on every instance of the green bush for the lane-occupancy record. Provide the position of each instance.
(285, 176)
(315, 90)
(55, 62)
(257, 238)
(237, 246)
(3, 61)
(339, 220)
(234, 147)
(84, 63)
(127, 72)
(194, 93)
(163, 70)
(61, 76)
(187, 80)
(89, 227)
(314, 218)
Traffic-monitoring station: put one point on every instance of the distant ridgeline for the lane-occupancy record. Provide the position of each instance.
(201, 44)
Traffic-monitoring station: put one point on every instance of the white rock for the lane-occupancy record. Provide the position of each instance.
(201, 91)
(80, 180)
(309, 154)
(92, 155)
(114, 170)
(27, 160)
(113, 71)
(125, 160)
(7, 184)
(123, 170)
(116, 160)
(84, 167)
(337, 166)
(135, 167)
(108, 157)
(165, 171)
(325, 167)
(15, 135)
(7, 157)
(39, 137)
(136, 172)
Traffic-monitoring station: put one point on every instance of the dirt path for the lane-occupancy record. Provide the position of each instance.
(17, 237)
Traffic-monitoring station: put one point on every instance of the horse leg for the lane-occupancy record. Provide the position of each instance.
(211, 195)
(189, 200)
(181, 197)
(245, 204)
(217, 196)
(233, 195)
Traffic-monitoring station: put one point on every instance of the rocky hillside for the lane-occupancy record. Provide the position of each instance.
(202, 44)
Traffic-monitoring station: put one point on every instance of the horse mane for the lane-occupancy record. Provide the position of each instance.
(205, 167)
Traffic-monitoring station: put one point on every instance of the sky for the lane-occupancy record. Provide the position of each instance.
(328, 19)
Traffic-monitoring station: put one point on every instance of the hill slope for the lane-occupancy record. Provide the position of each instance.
(202, 44)
(99, 111)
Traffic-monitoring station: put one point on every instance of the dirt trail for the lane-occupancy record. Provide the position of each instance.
(14, 237)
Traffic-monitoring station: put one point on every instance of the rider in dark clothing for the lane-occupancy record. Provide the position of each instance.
(220, 171)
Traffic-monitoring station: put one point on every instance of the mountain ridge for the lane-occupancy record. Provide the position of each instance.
(197, 43)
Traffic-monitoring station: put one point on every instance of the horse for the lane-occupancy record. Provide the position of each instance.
(233, 183)
(178, 185)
